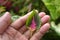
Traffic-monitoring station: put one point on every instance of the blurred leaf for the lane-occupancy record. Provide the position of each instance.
(52, 6)
(15, 17)
(12, 13)
(34, 14)
(2, 9)
(55, 27)
(37, 20)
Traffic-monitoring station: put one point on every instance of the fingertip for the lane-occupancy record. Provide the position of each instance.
(45, 19)
(6, 15)
(7, 12)
(47, 24)
(41, 14)
(47, 16)
(44, 28)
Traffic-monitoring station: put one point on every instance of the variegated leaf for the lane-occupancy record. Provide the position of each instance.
(33, 21)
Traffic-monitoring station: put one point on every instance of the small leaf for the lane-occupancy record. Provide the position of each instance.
(15, 17)
(33, 21)
(29, 20)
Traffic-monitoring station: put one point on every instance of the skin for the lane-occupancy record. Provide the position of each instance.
(17, 29)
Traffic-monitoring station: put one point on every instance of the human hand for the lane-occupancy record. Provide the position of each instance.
(18, 31)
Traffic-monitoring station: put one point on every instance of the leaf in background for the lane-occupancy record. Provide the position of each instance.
(55, 27)
(33, 21)
(53, 6)
(2, 9)
(15, 17)
(23, 10)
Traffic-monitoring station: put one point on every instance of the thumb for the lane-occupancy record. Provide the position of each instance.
(5, 20)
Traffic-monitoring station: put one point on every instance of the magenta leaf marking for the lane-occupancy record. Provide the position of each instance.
(33, 24)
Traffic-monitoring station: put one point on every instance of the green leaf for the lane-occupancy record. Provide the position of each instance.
(15, 17)
(37, 20)
(2, 9)
(29, 20)
(54, 7)
(34, 14)
(55, 27)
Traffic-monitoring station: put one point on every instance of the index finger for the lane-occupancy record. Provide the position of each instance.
(20, 22)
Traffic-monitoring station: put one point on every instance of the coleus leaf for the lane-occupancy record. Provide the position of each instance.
(33, 22)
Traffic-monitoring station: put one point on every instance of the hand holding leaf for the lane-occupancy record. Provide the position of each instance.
(33, 21)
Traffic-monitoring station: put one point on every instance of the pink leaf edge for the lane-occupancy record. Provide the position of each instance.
(33, 24)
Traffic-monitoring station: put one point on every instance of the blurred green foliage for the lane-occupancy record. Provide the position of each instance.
(19, 8)
(54, 8)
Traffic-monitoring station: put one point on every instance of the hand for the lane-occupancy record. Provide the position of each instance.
(18, 31)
